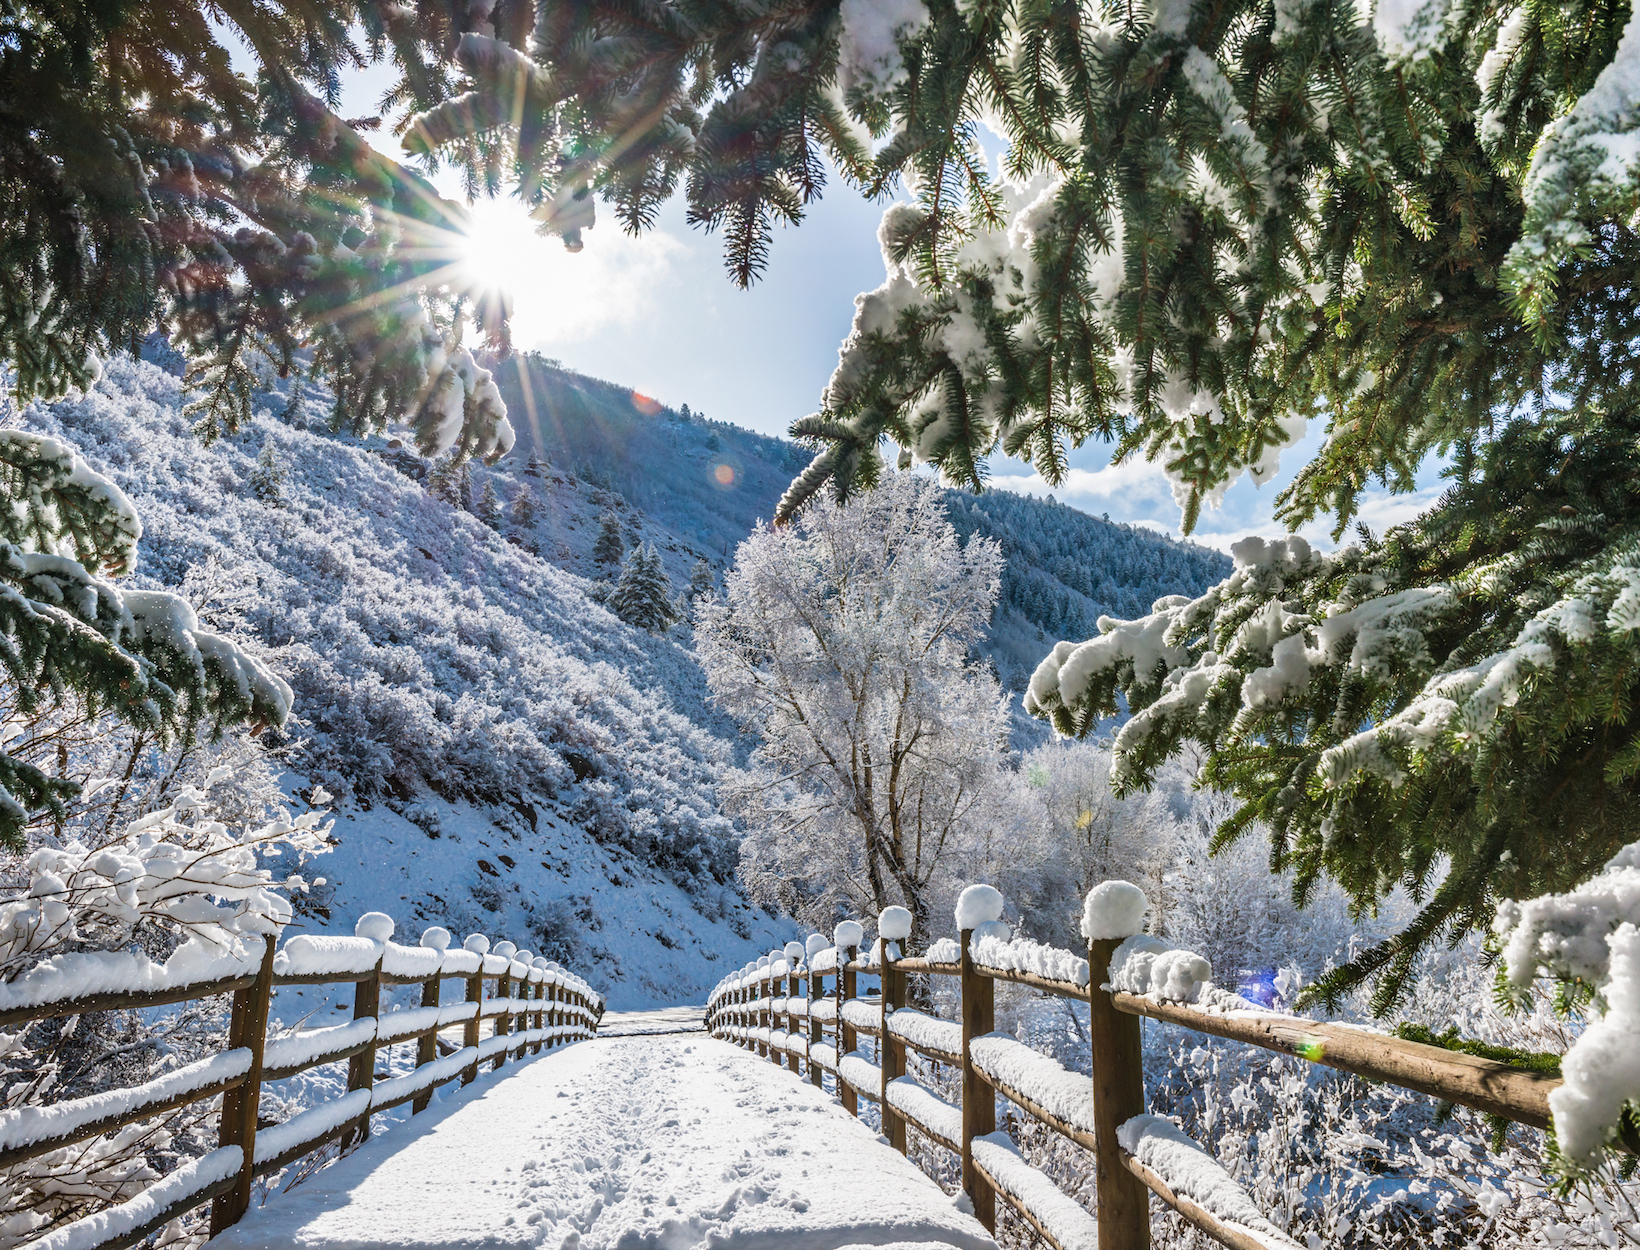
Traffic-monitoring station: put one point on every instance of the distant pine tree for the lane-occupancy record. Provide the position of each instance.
(523, 511)
(268, 478)
(609, 547)
(488, 508)
(701, 580)
(643, 596)
(702, 585)
(451, 481)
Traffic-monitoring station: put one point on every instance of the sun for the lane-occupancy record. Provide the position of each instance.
(500, 249)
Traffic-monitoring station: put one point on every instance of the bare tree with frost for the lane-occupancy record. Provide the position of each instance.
(843, 639)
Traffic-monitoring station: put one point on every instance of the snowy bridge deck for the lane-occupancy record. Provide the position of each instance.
(640, 1143)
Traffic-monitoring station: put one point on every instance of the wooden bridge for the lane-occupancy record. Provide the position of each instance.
(670, 1139)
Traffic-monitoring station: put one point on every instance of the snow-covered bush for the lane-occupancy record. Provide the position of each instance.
(176, 897)
(424, 650)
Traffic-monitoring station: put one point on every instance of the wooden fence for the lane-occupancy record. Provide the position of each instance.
(785, 1012)
(533, 1004)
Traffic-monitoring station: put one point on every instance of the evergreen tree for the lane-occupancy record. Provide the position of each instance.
(73, 634)
(1225, 220)
(450, 480)
(267, 478)
(702, 585)
(488, 507)
(167, 166)
(643, 596)
(609, 547)
(701, 581)
(523, 511)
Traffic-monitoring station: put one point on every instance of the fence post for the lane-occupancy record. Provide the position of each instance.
(361, 1069)
(792, 983)
(1118, 1096)
(847, 1039)
(979, 1108)
(427, 1045)
(469, 1034)
(503, 1022)
(816, 990)
(540, 1012)
(764, 1020)
(247, 1027)
(892, 1055)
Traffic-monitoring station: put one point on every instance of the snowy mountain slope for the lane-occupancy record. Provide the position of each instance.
(697, 487)
(445, 677)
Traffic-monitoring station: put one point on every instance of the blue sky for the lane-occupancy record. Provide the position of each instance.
(658, 313)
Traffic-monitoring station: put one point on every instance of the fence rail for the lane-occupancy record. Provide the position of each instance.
(535, 1004)
(760, 1007)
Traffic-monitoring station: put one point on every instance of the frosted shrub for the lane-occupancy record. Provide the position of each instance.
(177, 896)
(179, 869)
(1338, 1162)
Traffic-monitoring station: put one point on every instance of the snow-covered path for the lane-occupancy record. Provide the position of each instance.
(660, 1020)
(642, 1143)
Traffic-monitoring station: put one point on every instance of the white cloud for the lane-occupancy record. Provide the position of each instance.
(1131, 481)
(1379, 510)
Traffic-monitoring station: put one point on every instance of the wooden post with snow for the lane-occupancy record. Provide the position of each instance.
(816, 992)
(540, 1012)
(503, 1021)
(469, 1034)
(361, 1069)
(794, 960)
(794, 986)
(427, 1044)
(1115, 911)
(979, 1108)
(848, 950)
(248, 1028)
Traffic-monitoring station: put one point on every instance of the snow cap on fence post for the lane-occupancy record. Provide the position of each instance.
(505, 949)
(763, 961)
(894, 925)
(523, 957)
(815, 943)
(541, 962)
(435, 938)
(848, 935)
(976, 905)
(992, 929)
(374, 926)
(793, 953)
(477, 943)
(1114, 909)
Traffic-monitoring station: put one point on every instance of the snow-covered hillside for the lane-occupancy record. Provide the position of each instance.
(503, 754)
(695, 488)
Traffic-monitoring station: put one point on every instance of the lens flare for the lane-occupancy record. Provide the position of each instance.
(724, 475)
(649, 407)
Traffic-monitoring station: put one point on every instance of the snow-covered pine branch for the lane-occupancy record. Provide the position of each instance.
(141, 656)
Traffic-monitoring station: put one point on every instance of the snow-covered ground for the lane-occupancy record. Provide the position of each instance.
(659, 1143)
(681, 1019)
